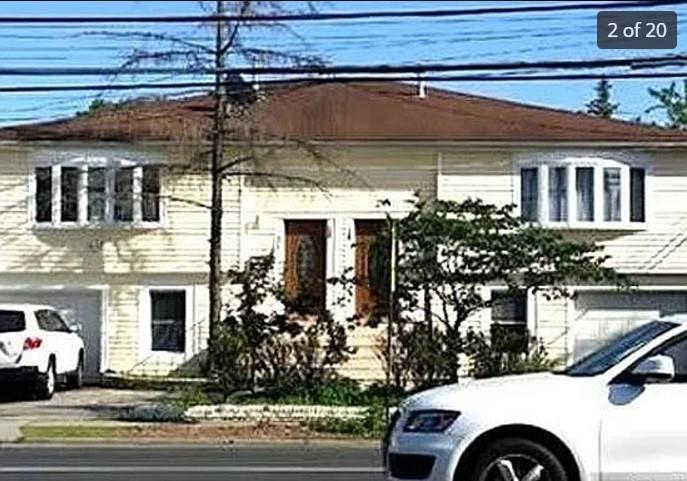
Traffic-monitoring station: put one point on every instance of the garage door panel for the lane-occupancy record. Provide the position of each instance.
(83, 307)
(602, 316)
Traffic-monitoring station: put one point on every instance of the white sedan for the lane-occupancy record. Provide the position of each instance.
(38, 349)
(618, 414)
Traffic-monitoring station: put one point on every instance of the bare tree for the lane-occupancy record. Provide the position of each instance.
(235, 105)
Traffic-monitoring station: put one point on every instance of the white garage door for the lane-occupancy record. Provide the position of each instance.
(600, 316)
(83, 307)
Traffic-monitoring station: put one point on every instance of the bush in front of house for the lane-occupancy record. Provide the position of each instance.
(264, 344)
(371, 425)
(448, 254)
(503, 352)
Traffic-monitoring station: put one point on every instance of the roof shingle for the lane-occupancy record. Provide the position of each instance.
(382, 111)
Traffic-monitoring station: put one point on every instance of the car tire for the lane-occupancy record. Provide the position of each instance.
(47, 382)
(516, 459)
(75, 379)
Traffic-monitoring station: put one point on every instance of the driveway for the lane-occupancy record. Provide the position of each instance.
(86, 404)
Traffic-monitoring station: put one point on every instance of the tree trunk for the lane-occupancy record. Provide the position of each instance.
(215, 277)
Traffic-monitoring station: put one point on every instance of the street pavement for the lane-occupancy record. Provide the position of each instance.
(276, 462)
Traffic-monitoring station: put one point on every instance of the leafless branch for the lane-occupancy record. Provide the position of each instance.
(162, 37)
(274, 175)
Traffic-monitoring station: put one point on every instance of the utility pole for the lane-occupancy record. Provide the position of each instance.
(215, 276)
(393, 245)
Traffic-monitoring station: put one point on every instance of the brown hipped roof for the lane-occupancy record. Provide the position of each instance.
(382, 111)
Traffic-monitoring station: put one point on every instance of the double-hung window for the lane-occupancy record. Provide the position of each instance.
(509, 320)
(583, 193)
(99, 194)
(168, 320)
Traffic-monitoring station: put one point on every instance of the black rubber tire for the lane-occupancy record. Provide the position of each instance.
(513, 446)
(75, 379)
(45, 387)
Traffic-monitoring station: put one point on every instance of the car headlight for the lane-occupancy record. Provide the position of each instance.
(430, 421)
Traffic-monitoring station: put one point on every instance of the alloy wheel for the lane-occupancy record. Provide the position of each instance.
(515, 467)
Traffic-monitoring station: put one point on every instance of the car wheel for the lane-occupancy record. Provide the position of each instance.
(47, 382)
(75, 379)
(517, 459)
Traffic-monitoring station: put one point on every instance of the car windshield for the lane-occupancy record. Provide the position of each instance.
(11, 321)
(612, 353)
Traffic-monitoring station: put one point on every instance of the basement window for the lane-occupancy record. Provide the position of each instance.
(583, 193)
(96, 195)
(168, 320)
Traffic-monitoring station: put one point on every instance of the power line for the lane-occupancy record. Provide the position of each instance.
(303, 17)
(632, 62)
(367, 79)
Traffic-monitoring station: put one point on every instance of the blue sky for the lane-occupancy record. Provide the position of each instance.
(561, 35)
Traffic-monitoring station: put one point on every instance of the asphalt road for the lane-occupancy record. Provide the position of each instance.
(188, 463)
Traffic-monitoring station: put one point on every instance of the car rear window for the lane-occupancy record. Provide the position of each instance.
(12, 321)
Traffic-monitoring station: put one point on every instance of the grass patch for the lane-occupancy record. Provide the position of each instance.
(223, 433)
(370, 426)
(41, 433)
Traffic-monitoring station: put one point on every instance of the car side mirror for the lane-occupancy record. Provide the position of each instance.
(75, 328)
(655, 369)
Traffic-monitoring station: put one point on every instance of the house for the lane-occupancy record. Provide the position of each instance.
(101, 218)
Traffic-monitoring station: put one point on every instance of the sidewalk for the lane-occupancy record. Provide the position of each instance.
(10, 431)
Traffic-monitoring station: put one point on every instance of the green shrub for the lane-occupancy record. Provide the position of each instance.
(192, 396)
(338, 391)
(501, 354)
(372, 425)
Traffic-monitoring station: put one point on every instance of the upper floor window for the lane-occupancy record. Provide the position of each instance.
(583, 193)
(96, 195)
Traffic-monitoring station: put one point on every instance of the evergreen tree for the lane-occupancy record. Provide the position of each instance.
(601, 105)
(673, 103)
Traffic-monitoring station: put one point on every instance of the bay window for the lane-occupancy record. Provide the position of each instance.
(97, 194)
(583, 193)
(558, 194)
(91, 195)
(529, 196)
(69, 194)
(612, 194)
(124, 195)
(584, 185)
(637, 186)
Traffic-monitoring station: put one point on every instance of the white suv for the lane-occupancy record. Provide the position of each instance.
(618, 414)
(38, 349)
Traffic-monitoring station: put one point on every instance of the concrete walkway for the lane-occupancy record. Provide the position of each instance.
(88, 404)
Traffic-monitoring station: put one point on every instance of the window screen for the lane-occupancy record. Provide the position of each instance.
(168, 318)
(44, 194)
(529, 194)
(69, 194)
(637, 193)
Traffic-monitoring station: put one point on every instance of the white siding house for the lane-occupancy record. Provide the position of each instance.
(97, 220)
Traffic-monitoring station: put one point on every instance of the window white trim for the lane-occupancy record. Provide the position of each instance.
(599, 163)
(145, 326)
(111, 166)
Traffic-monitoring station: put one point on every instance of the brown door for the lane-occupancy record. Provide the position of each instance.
(371, 269)
(305, 264)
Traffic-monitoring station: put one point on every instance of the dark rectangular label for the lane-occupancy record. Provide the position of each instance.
(641, 30)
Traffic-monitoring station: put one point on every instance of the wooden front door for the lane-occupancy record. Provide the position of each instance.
(305, 264)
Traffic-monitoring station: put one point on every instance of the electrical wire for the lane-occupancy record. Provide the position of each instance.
(303, 17)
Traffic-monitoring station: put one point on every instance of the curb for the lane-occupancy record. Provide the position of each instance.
(138, 443)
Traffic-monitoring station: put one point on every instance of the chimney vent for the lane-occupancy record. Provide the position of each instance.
(421, 88)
